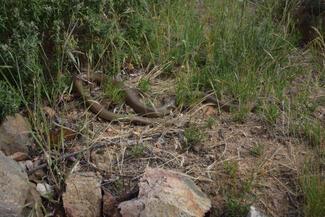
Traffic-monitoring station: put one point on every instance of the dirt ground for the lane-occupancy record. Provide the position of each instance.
(244, 163)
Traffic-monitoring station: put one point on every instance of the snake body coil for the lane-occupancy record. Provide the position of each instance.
(132, 99)
(101, 111)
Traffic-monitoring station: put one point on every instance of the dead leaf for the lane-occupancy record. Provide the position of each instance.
(210, 111)
(62, 133)
(20, 156)
(49, 112)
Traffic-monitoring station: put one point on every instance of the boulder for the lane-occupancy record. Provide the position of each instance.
(83, 195)
(166, 193)
(15, 135)
(18, 197)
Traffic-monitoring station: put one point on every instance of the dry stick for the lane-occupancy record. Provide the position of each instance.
(66, 156)
(92, 147)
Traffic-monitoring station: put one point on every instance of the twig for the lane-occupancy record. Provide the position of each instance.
(66, 156)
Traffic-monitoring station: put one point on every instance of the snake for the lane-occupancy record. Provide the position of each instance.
(145, 114)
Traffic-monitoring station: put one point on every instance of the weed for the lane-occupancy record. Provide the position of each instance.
(144, 85)
(314, 132)
(193, 136)
(235, 208)
(10, 100)
(271, 113)
(119, 185)
(210, 122)
(186, 91)
(313, 186)
(231, 168)
(138, 150)
(240, 115)
(257, 150)
(114, 92)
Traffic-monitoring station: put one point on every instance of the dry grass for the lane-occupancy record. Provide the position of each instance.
(223, 163)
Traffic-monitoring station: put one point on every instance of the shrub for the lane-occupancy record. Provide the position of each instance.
(9, 100)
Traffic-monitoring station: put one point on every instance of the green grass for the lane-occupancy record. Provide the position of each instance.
(210, 122)
(313, 187)
(138, 150)
(10, 100)
(193, 136)
(144, 85)
(257, 150)
(231, 168)
(234, 208)
(113, 92)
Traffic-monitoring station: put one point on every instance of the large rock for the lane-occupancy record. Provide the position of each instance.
(166, 193)
(15, 135)
(18, 197)
(83, 195)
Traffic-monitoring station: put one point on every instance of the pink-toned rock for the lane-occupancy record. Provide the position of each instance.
(83, 195)
(15, 135)
(166, 193)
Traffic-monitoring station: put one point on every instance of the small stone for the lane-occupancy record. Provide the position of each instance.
(253, 212)
(166, 193)
(44, 189)
(83, 195)
(26, 165)
(103, 159)
(15, 135)
(210, 111)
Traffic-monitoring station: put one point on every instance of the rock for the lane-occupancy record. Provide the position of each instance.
(15, 135)
(16, 192)
(110, 205)
(45, 190)
(166, 193)
(83, 195)
(26, 165)
(253, 212)
(103, 159)
(209, 111)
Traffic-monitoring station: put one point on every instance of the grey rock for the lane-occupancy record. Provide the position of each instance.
(83, 195)
(15, 135)
(17, 196)
(166, 193)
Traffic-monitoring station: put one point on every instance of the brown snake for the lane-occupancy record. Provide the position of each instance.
(132, 99)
